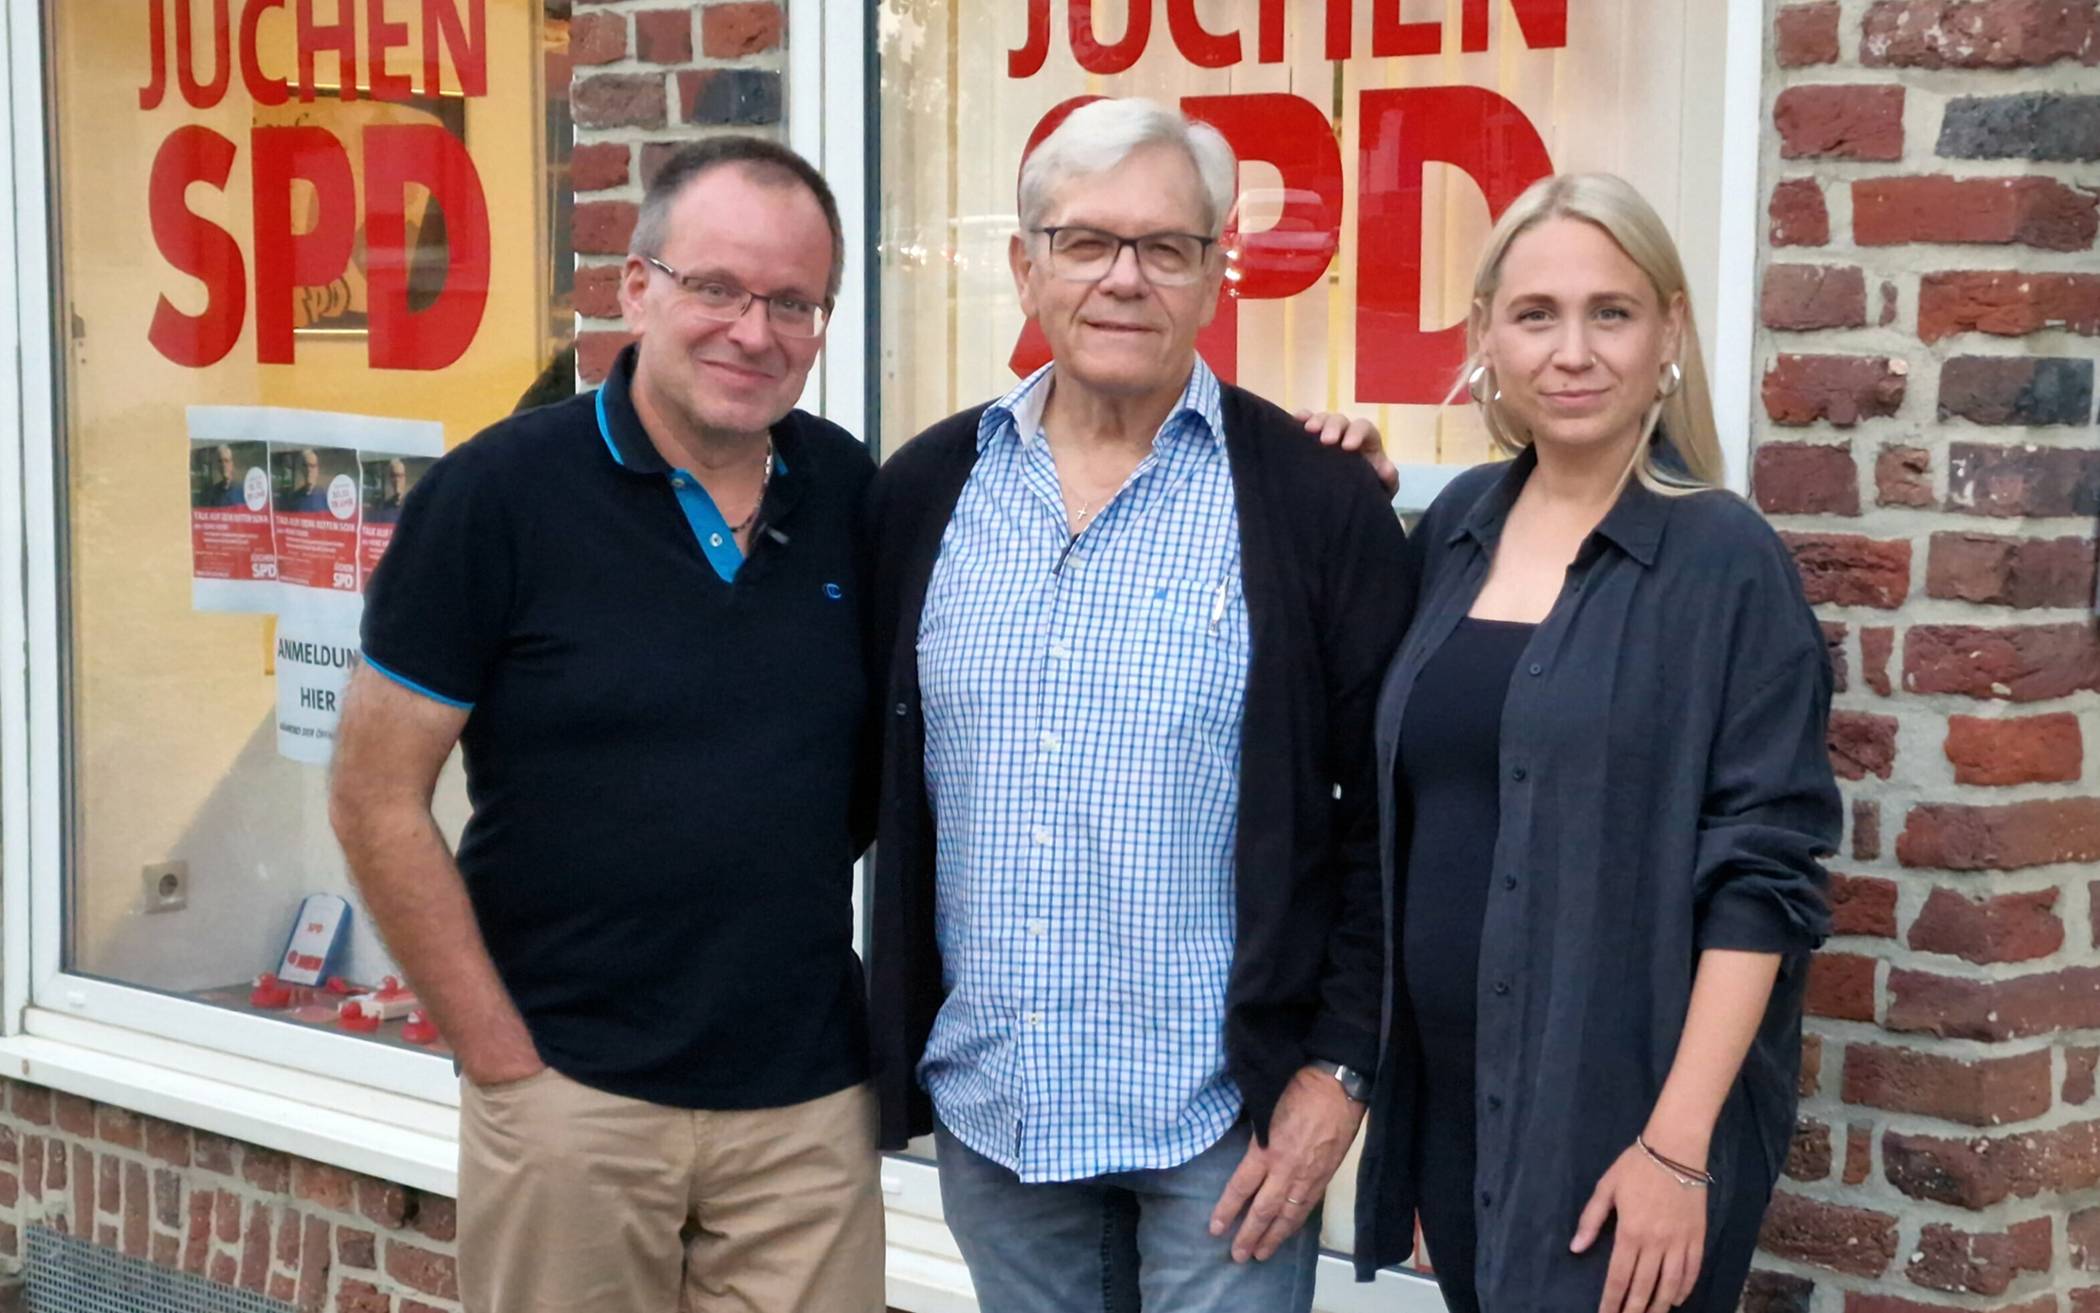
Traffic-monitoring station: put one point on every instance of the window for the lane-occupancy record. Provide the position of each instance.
(294, 261)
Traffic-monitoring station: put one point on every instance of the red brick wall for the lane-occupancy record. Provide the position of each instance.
(316, 1237)
(648, 77)
(1930, 300)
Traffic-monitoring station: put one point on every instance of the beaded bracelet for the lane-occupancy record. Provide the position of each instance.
(1691, 1178)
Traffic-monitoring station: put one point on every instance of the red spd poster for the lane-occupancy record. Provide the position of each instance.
(386, 481)
(230, 536)
(315, 501)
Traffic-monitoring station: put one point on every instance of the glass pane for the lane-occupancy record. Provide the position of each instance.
(1374, 151)
(288, 280)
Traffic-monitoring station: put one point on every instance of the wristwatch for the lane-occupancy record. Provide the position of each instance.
(1353, 1082)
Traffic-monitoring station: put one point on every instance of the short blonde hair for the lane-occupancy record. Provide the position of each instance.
(1609, 202)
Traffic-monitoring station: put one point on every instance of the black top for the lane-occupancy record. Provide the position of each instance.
(1451, 774)
(1449, 763)
(1665, 789)
(659, 760)
(1327, 598)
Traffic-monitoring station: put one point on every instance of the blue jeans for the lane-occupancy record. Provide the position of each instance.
(1117, 1243)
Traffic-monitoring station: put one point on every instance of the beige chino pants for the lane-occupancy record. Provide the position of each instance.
(574, 1199)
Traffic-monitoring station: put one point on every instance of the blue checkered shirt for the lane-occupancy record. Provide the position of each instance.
(1083, 700)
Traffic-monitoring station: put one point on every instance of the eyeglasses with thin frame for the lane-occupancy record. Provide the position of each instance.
(1085, 255)
(712, 298)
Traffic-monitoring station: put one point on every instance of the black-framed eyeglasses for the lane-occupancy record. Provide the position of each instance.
(1085, 255)
(791, 316)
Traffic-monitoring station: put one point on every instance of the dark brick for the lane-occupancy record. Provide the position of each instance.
(2016, 390)
(1777, 1292)
(597, 38)
(2034, 125)
(2022, 481)
(1859, 1153)
(2079, 1065)
(740, 96)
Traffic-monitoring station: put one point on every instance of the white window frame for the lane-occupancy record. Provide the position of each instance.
(383, 1111)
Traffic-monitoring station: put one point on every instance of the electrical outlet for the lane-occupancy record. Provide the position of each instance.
(167, 886)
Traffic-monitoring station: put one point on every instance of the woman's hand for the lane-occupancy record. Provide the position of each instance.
(1660, 1240)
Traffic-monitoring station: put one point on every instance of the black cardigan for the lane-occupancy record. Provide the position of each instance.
(1327, 601)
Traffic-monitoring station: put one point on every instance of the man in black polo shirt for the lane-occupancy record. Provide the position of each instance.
(636, 612)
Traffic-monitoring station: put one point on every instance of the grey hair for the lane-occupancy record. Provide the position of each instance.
(1101, 134)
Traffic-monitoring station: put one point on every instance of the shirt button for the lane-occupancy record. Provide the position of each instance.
(678, 482)
(1518, 773)
(1494, 1103)
(1509, 882)
(1537, 669)
(1034, 1018)
(1038, 927)
(1501, 987)
(1049, 741)
(1059, 650)
(903, 710)
(1042, 835)
(714, 540)
(1487, 1199)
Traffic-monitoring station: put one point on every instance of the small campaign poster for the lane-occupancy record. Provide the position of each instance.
(387, 480)
(320, 492)
(233, 560)
(315, 504)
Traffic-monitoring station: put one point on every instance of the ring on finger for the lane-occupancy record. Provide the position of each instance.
(1298, 1203)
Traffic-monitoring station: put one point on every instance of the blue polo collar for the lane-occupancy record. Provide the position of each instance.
(627, 442)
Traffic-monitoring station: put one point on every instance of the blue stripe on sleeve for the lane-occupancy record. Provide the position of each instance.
(413, 687)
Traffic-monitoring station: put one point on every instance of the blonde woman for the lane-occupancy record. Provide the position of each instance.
(1605, 794)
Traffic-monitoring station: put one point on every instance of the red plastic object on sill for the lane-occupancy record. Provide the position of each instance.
(419, 1029)
(356, 1019)
(269, 992)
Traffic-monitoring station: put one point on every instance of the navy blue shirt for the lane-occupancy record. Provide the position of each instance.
(660, 745)
(1665, 788)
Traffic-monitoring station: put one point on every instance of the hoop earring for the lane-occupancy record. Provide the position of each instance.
(1672, 379)
(1480, 384)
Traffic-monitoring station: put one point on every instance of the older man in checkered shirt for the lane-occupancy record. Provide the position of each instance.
(1129, 628)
